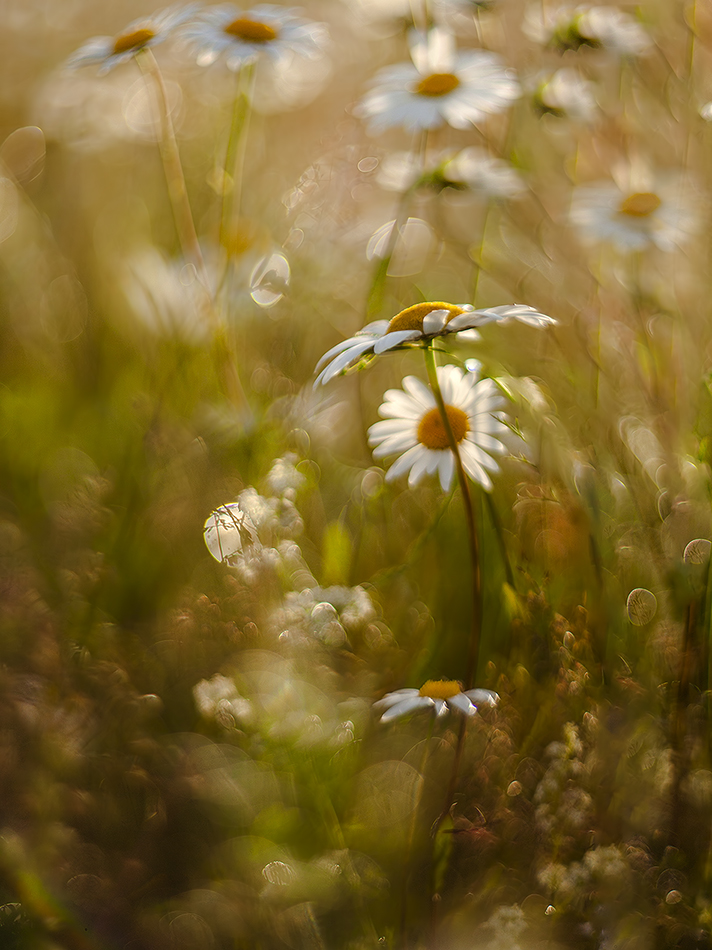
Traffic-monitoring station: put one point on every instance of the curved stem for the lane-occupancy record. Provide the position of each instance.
(476, 628)
(173, 169)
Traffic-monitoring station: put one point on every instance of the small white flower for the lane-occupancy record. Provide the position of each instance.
(470, 169)
(245, 36)
(229, 532)
(417, 324)
(439, 87)
(110, 51)
(284, 477)
(572, 27)
(413, 429)
(566, 93)
(663, 215)
(218, 699)
(438, 696)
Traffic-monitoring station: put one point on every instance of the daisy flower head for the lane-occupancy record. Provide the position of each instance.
(266, 31)
(598, 27)
(440, 87)
(436, 696)
(417, 325)
(566, 94)
(110, 51)
(412, 428)
(660, 214)
(468, 170)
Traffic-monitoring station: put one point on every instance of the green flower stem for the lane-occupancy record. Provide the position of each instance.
(473, 652)
(235, 153)
(173, 169)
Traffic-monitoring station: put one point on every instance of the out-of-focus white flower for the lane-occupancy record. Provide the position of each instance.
(439, 87)
(437, 696)
(110, 51)
(283, 476)
(706, 111)
(415, 325)
(271, 516)
(413, 428)
(659, 213)
(572, 27)
(218, 698)
(470, 169)
(167, 296)
(568, 94)
(229, 533)
(266, 31)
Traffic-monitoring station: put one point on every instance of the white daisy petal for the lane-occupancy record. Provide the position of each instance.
(483, 697)
(462, 703)
(391, 340)
(405, 707)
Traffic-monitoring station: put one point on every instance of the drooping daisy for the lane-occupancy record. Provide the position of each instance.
(572, 27)
(245, 36)
(438, 696)
(413, 428)
(662, 215)
(470, 169)
(439, 87)
(110, 51)
(415, 325)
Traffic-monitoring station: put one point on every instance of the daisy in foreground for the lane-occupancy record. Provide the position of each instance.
(110, 51)
(415, 325)
(440, 696)
(245, 36)
(413, 428)
(439, 87)
(660, 214)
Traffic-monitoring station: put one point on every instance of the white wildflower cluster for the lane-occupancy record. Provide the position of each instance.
(508, 925)
(326, 614)
(563, 806)
(219, 700)
(603, 870)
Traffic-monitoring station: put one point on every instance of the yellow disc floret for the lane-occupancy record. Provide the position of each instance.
(412, 317)
(251, 31)
(437, 84)
(440, 689)
(640, 205)
(431, 430)
(132, 41)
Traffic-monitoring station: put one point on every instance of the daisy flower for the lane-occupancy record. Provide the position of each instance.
(110, 51)
(470, 169)
(566, 93)
(439, 87)
(572, 27)
(440, 696)
(662, 215)
(413, 428)
(245, 36)
(414, 325)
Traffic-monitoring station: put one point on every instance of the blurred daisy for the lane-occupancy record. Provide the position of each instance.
(417, 324)
(440, 696)
(110, 51)
(663, 216)
(413, 426)
(566, 94)
(470, 169)
(439, 87)
(243, 37)
(572, 27)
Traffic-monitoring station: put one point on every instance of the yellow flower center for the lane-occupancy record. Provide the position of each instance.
(412, 317)
(640, 205)
(431, 430)
(440, 689)
(251, 31)
(437, 84)
(136, 40)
